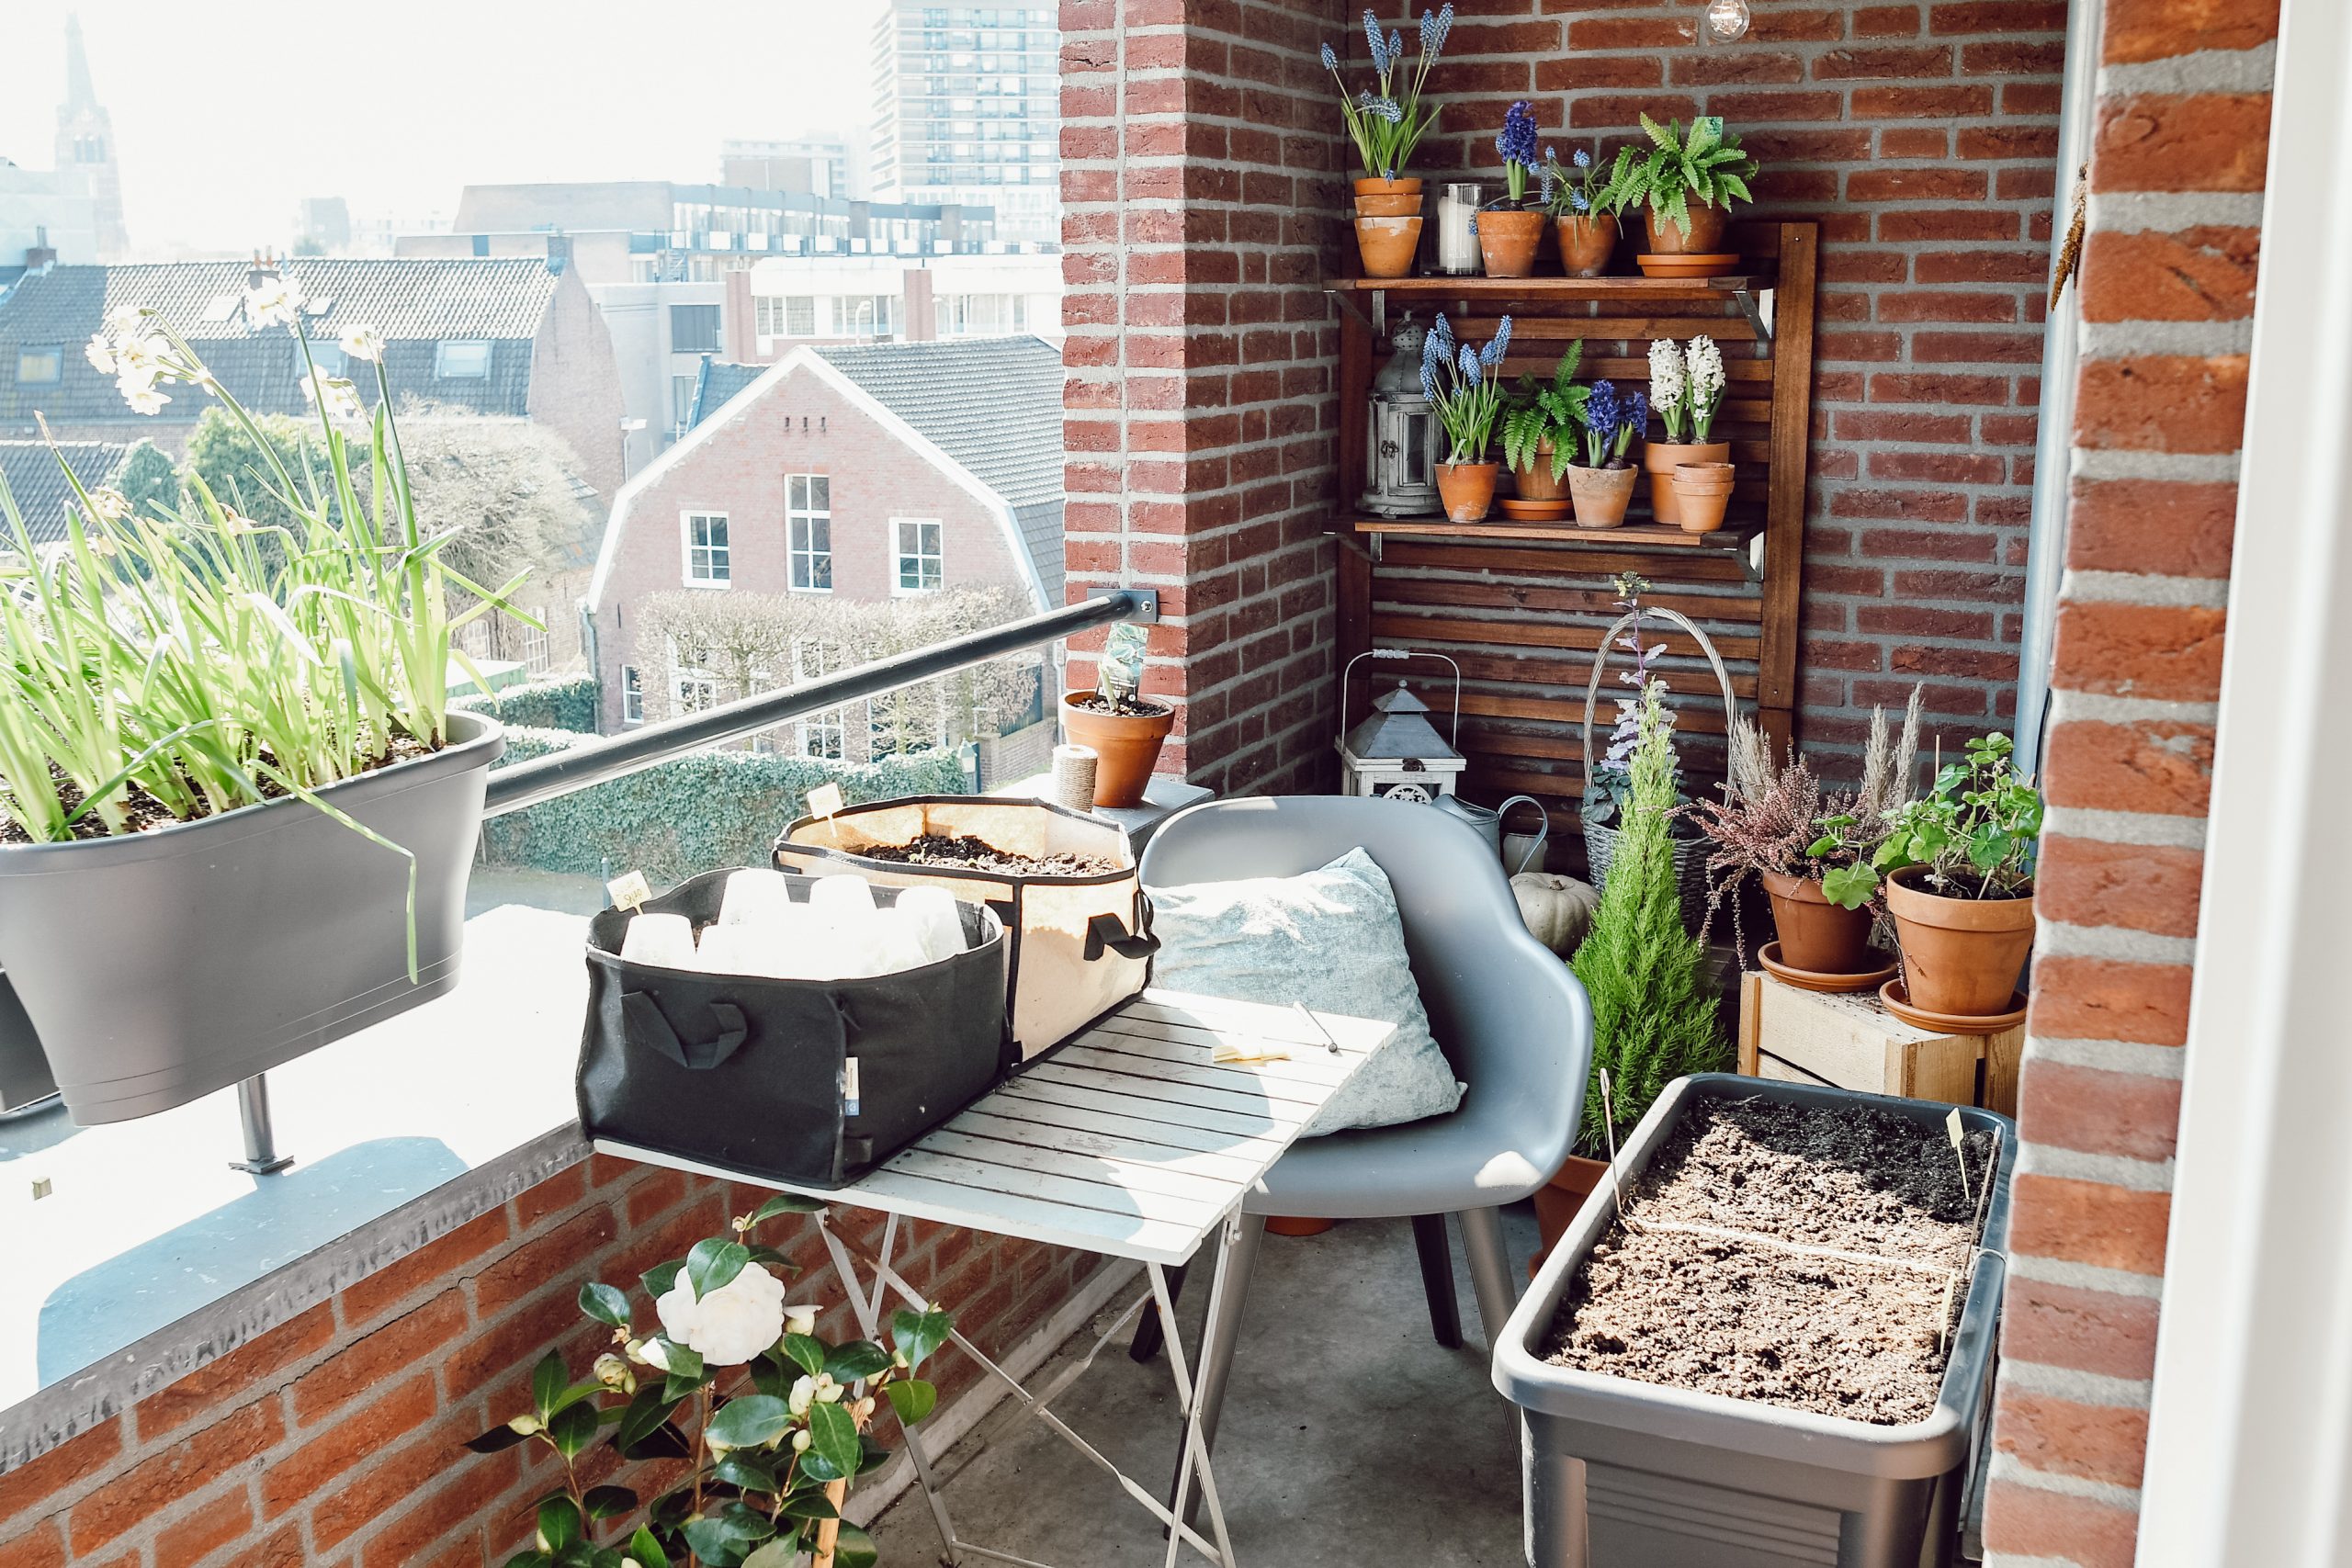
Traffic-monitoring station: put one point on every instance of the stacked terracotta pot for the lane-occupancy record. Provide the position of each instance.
(1388, 226)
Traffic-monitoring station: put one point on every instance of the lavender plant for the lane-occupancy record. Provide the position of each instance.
(1387, 125)
(1610, 424)
(1520, 158)
(1466, 386)
(1609, 790)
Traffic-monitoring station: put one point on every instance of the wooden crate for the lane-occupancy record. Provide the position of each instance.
(1852, 1041)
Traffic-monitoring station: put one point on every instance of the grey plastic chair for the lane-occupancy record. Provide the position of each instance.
(1509, 1017)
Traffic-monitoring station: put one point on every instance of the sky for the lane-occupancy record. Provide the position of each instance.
(228, 111)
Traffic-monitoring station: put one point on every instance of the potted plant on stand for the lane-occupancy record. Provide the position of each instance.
(1541, 430)
(1464, 385)
(1602, 485)
(1585, 208)
(1386, 126)
(1687, 389)
(1123, 729)
(1686, 187)
(1509, 230)
(228, 754)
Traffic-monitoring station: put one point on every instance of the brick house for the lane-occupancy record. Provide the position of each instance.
(518, 338)
(858, 471)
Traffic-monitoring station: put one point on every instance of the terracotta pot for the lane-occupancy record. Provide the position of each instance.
(1660, 458)
(1291, 1224)
(1535, 481)
(1701, 495)
(1507, 241)
(1704, 236)
(1815, 934)
(1558, 1201)
(1125, 746)
(1388, 245)
(1387, 187)
(1388, 205)
(1961, 956)
(1587, 245)
(1467, 488)
(1601, 494)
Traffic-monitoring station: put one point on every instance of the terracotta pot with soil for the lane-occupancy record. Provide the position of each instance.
(1660, 458)
(1534, 481)
(1467, 490)
(1507, 240)
(1703, 236)
(1702, 496)
(1588, 244)
(1125, 737)
(1388, 245)
(1961, 956)
(1558, 1201)
(1815, 934)
(1786, 1336)
(1601, 495)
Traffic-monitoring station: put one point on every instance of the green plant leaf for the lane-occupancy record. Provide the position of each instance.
(572, 1428)
(714, 1263)
(558, 1523)
(858, 1359)
(606, 1303)
(647, 1551)
(784, 1551)
(742, 1469)
(499, 1436)
(786, 1203)
(548, 1380)
(1849, 887)
(658, 1280)
(912, 1398)
(810, 1503)
(854, 1548)
(646, 1413)
(806, 1352)
(920, 1334)
(749, 1420)
(722, 1535)
(531, 1560)
(833, 1435)
(608, 1502)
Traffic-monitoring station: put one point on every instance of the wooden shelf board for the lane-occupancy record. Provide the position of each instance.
(1556, 288)
(1630, 536)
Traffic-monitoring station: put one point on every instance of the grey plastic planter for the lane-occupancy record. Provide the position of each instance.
(159, 967)
(1670, 1478)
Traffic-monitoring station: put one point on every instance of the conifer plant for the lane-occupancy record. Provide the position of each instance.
(1653, 1014)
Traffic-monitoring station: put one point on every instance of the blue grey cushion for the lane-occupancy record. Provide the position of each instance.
(1331, 938)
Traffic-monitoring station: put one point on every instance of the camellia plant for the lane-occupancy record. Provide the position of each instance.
(1464, 385)
(755, 1428)
(1387, 125)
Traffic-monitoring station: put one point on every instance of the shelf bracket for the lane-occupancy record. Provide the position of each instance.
(1348, 303)
(1745, 299)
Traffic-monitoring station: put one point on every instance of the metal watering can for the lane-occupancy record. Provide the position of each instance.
(1527, 852)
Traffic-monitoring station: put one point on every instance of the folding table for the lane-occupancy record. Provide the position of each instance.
(1130, 1140)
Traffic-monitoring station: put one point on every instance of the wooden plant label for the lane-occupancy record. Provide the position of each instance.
(630, 891)
(1958, 1134)
(825, 801)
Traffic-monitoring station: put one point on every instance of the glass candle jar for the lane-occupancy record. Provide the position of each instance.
(1457, 235)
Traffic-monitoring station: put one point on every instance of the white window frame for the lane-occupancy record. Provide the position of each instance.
(632, 695)
(682, 676)
(441, 359)
(719, 556)
(808, 662)
(901, 555)
(794, 518)
(538, 653)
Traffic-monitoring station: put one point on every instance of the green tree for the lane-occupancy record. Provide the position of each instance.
(1653, 1014)
(150, 481)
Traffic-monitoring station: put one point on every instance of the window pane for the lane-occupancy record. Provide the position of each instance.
(39, 366)
(821, 493)
(694, 329)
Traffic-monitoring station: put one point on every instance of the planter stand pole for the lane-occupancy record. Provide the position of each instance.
(262, 1157)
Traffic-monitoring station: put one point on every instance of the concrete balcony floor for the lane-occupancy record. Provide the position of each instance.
(1348, 1435)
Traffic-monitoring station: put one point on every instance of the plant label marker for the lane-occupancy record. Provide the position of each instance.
(1943, 1321)
(630, 891)
(1953, 1131)
(825, 801)
(1609, 1126)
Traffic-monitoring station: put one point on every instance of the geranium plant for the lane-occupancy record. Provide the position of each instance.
(1464, 385)
(754, 1427)
(1976, 831)
(1541, 415)
(1388, 124)
(1687, 387)
(1705, 166)
(1610, 422)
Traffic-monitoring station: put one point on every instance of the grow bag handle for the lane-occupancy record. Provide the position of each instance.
(649, 1030)
(1104, 932)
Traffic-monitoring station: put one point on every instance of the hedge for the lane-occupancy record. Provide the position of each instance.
(690, 814)
(566, 703)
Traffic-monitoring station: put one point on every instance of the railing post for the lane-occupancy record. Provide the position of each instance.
(262, 1157)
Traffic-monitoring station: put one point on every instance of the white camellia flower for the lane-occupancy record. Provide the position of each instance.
(363, 342)
(730, 1326)
(273, 302)
(803, 1394)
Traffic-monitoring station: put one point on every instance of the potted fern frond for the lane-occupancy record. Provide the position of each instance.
(1686, 186)
(1542, 423)
(236, 809)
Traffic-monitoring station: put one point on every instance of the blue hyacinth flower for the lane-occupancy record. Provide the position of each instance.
(1583, 159)
(1577, 199)
(1330, 58)
(1492, 354)
(1429, 382)
(1396, 47)
(1379, 46)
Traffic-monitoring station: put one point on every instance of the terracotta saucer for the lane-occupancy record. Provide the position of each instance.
(1897, 1001)
(1534, 510)
(1807, 980)
(1706, 266)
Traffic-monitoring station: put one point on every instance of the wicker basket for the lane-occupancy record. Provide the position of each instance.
(1600, 840)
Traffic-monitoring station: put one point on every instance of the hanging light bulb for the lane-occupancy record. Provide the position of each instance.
(1727, 19)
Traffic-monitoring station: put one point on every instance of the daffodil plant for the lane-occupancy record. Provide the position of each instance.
(772, 1423)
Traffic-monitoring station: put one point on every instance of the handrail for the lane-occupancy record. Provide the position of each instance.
(612, 757)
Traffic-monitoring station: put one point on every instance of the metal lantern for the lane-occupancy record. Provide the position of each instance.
(1400, 454)
(1397, 754)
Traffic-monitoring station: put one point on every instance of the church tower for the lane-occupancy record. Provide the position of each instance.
(86, 146)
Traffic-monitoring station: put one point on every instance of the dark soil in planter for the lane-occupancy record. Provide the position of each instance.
(144, 812)
(1816, 1323)
(979, 855)
(1124, 707)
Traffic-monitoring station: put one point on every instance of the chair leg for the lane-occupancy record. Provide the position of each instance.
(1437, 1278)
(1482, 1242)
(1219, 1333)
(1149, 1334)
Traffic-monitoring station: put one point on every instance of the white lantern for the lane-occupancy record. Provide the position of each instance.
(1400, 451)
(1396, 754)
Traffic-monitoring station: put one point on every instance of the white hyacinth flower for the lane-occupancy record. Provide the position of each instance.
(363, 342)
(731, 1324)
(273, 303)
(1666, 388)
(1706, 369)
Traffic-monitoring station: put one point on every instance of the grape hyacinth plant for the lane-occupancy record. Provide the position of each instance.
(1466, 386)
(1610, 424)
(1582, 188)
(1521, 158)
(1387, 125)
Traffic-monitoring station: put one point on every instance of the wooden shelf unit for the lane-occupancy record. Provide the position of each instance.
(1523, 605)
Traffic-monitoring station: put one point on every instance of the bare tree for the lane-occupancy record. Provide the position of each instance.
(505, 489)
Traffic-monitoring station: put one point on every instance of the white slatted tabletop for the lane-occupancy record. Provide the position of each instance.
(1130, 1140)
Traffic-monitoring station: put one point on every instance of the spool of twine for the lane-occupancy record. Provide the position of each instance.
(1074, 777)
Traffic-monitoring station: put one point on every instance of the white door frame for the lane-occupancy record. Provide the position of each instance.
(2251, 1425)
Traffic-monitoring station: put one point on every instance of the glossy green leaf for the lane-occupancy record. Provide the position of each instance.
(647, 1551)
(572, 1430)
(784, 1551)
(858, 1359)
(608, 1502)
(605, 1304)
(548, 1380)
(648, 1408)
(854, 1548)
(810, 1503)
(499, 1436)
(750, 1420)
(772, 1259)
(912, 1398)
(530, 1559)
(558, 1523)
(833, 1435)
(658, 1280)
(809, 1353)
(745, 1471)
(714, 1263)
(786, 1203)
(920, 1334)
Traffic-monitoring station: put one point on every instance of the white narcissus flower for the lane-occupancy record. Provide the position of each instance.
(341, 397)
(100, 352)
(273, 302)
(731, 1324)
(800, 1319)
(110, 504)
(142, 397)
(142, 356)
(123, 319)
(363, 342)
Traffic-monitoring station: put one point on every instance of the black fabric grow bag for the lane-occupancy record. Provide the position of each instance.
(750, 1073)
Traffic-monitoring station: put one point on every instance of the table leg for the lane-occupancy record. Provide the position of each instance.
(1214, 1344)
(1148, 1335)
(868, 1312)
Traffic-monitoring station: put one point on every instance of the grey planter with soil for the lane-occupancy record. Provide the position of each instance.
(1670, 1477)
(162, 965)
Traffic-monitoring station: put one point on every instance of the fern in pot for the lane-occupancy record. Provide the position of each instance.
(227, 762)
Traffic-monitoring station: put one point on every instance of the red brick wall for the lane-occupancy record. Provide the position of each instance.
(2166, 300)
(576, 384)
(1922, 137)
(334, 1437)
(739, 468)
(1199, 151)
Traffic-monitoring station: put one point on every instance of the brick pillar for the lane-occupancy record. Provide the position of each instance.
(1200, 194)
(2166, 300)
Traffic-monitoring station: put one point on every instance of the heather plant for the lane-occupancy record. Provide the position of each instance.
(1653, 1015)
(1387, 125)
(1542, 414)
(1518, 146)
(1466, 386)
(751, 1428)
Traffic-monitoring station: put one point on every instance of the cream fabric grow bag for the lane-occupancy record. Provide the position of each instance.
(1080, 945)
